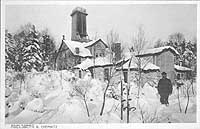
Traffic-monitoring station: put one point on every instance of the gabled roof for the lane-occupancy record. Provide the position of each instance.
(84, 51)
(157, 51)
(181, 68)
(145, 65)
(93, 42)
(72, 45)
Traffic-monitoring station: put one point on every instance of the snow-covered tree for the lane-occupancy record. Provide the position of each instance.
(28, 52)
(9, 50)
(29, 49)
(47, 46)
(186, 48)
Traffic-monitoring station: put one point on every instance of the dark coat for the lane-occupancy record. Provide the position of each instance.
(164, 86)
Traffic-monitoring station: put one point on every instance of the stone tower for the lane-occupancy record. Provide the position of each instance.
(79, 27)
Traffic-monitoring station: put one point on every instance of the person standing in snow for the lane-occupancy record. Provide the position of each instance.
(164, 88)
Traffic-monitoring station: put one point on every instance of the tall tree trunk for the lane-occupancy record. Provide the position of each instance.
(127, 102)
(88, 113)
(122, 105)
(192, 87)
(104, 99)
(179, 100)
(188, 99)
(139, 84)
(20, 87)
(128, 87)
(139, 81)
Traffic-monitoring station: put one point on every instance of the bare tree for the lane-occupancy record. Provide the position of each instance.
(127, 90)
(178, 96)
(20, 76)
(139, 44)
(81, 91)
(112, 73)
(187, 87)
(179, 84)
(121, 91)
(177, 38)
(159, 43)
(112, 37)
(95, 38)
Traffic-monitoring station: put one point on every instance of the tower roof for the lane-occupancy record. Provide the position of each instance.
(79, 9)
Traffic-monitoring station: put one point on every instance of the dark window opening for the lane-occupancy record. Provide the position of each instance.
(79, 60)
(101, 54)
(79, 73)
(178, 76)
(92, 72)
(125, 76)
(106, 74)
(154, 59)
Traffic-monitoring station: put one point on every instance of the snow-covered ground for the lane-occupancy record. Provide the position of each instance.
(50, 97)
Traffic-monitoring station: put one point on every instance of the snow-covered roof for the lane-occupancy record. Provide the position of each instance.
(83, 51)
(157, 50)
(98, 62)
(146, 65)
(181, 68)
(72, 45)
(88, 44)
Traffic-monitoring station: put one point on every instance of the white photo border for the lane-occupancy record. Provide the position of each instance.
(4, 3)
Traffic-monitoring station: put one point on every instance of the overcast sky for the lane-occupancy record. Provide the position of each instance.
(158, 20)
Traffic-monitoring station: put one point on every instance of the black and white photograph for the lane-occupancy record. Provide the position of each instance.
(99, 63)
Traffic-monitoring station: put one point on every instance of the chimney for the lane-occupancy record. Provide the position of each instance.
(116, 48)
(79, 27)
(63, 37)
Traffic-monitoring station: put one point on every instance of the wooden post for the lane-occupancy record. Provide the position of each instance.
(128, 87)
(122, 106)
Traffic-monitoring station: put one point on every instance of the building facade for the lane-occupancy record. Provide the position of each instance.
(164, 57)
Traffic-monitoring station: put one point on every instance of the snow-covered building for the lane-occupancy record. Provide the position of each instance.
(80, 47)
(164, 57)
(82, 54)
(149, 70)
(182, 72)
(72, 53)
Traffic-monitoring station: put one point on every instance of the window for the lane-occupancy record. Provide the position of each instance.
(92, 72)
(178, 76)
(181, 75)
(106, 74)
(101, 54)
(154, 59)
(79, 73)
(78, 60)
(125, 76)
(97, 55)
